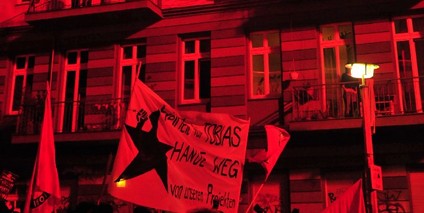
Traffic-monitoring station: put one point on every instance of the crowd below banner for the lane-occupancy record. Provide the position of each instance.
(92, 207)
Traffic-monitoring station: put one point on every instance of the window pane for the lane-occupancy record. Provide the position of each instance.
(419, 46)
(275, 82)
(405, 71)
(70, 86)
(28, 85)
(273, 39)
(128, 53)
(205, 46)
(205, 78)
(189, 80)
(275, 73)
(327, 33)
(84, 57)
(20, 62)
(258, 83)
(82, 89)
(346, 55)
(258, 63)
(189, 47)
(257, 40)
(17, 92)
(141, 51)
(418, 24)
(274, 62)
(330, 66)
(400, 26)
(345, 32)
(126, 81)
(69, 99)
(404, 56)
(31, 62)
(142, 73)
(72, 57)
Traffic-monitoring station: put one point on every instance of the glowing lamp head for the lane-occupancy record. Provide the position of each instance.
(362, 70)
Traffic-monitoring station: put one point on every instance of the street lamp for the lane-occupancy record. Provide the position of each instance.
(373, 175)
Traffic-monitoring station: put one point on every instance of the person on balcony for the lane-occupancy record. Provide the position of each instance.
(350, 87)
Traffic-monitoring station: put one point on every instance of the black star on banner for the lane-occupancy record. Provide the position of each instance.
(151, 152)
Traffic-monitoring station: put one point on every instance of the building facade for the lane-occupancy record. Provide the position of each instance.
(276, 62)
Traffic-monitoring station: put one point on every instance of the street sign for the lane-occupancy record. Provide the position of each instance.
(376, 177)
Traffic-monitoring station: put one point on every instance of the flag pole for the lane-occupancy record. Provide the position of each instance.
(254, 197)
(30, 188)
(108, 167)
(138, 68)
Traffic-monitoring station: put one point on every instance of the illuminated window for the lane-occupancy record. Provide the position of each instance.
(265, 66)
(22, 81)
(409, 47)
(196, 69)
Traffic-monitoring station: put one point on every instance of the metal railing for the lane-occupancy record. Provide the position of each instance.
(54, 5)
(74, 116)
(312, 102)
(337, 101)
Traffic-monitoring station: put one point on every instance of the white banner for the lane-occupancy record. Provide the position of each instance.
(179, 161)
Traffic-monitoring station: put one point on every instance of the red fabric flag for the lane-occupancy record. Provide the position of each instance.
(352, 201)
(277, 139)
(44, 189)
(178, 161)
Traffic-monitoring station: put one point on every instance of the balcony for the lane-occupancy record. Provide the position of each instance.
(397, 102)
(73, 121)
(92, 12)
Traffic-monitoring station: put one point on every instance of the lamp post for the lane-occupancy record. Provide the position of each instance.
(365, 71)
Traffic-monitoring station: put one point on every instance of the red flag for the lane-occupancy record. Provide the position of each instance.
(178, 161)
(44, 189)
(352, 201)
(277, 139)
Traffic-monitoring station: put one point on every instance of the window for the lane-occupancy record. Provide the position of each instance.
(75, 90)
(22, 82)
(131, 57)
(409, 47)
(196, 69)
(265, 64)
(337, 49)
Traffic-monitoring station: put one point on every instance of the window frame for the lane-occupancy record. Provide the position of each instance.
(409, 36)
(19, 72)
(76, 67)
(332, 98)
(336, 43)
(197, 56)
(265, 51)
(133, 62)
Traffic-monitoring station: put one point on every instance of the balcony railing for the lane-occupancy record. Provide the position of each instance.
(74, 117)
(313, 102)
(54, 5)
(336, 101)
